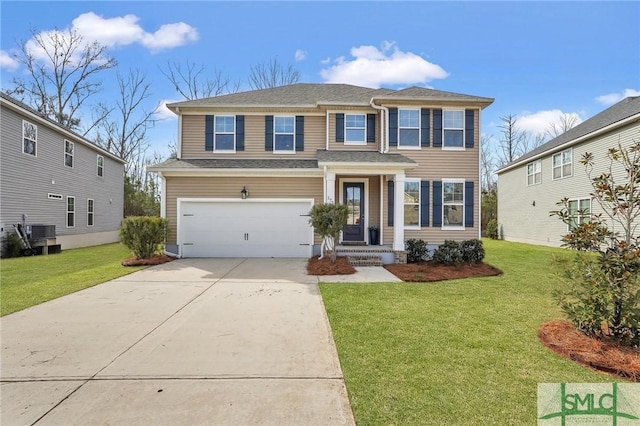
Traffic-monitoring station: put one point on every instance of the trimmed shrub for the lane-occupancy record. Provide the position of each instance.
(449, 253)
(416, 250)
(492, 229)
(12, 245)
(143, 235)
(472, 251)
(327, 221)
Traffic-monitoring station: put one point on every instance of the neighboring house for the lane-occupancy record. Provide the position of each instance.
(53, 176)
(530, 187)
(406, 161)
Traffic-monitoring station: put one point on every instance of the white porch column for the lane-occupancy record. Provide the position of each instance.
(398, 212)
(330, 188)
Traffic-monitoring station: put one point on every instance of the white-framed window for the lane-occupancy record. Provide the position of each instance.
(71, 212)
(29, 138)
(580, 212)
(408, 128)
(534, 173)
(100, 165)
(453, 203)
(453, 129)
(355, 129)
(562, 164)
(284, 130)
(68, 153)
(90, 212)
(412, 203)
(225, 133)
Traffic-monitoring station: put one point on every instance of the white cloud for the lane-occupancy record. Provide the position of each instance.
(300, 55)
(170, 36)
(538, 123)
(325, 61)
(375, 67)
(7, 62)
(162, 112)
(613, 98)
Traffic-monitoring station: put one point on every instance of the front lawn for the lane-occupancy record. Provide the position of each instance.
(463, 352)
(28, 281)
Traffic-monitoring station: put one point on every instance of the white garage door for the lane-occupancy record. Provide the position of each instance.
(245, 228)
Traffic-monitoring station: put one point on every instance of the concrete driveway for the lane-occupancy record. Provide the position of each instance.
(194, 341)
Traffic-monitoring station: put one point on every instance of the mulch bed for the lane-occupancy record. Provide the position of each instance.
(317, 266)
(430, 271)
(562, 337)
(155, 260)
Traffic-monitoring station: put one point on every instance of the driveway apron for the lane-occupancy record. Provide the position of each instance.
(194, 341)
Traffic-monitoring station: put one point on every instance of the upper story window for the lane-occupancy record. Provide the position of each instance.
(409, 128)
(412, 203)
(68, 153)
(29, 138)
(453, 128)
(225, 128)
(284, 134)
(580, 212)
(100, 165)
(534, 172)
(355, 128)
(562, 166)
(453, 203)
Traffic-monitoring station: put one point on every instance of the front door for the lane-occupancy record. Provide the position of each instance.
(354, 200)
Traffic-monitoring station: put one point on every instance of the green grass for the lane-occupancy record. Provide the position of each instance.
(28, 281)
(461, 352)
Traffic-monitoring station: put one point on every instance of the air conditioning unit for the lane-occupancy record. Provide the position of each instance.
(42, 231)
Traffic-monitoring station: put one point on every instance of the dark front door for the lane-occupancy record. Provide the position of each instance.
(354, 200)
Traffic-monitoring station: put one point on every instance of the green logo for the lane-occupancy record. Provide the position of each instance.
(615, 404)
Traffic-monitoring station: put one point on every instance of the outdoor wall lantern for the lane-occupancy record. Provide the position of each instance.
(244, 193)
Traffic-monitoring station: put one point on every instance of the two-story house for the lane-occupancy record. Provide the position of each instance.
(530, 187)
(52, 176)
(251, 165)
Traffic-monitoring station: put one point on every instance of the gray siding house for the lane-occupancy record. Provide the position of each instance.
(56, 177)
(530, 187)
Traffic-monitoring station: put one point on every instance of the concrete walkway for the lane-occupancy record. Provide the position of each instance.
(194, 341)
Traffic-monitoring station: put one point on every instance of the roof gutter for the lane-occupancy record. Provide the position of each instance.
(384, 130)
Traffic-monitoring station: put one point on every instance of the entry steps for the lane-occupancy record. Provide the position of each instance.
(363, 255)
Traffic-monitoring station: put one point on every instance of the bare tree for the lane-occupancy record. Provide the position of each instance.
(270, 74)
(567, 122)
(512, 139)
(487, 163)
(191, 81)
(62, 69)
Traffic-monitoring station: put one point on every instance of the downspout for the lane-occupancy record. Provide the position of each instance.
(327, 134)
(179, 147)
(384, 130)
(479, 207)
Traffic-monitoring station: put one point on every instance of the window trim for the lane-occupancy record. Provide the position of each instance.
(461, 204)
(561, 166)
(35, 141)
(70, 197)
(418, 128)
(539, 172)
(99, 167)
(579, 216)
(72, 154)
(444, 129)
(364, 129)
(91, 212)
(419, 203)
(293, 134)
(215, 134)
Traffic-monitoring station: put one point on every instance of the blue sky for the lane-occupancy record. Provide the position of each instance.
(537, 59)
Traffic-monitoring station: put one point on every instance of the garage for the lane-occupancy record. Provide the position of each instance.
(244, 228)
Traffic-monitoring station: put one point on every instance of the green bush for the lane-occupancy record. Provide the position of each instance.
(416, 250)
(328, 220)
(12, 245)
(143, 235)
(449, 253)
(472, 251)
(492, 229)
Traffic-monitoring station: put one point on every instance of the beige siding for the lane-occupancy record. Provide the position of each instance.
(229, 187)
(193, 138)
(341, 146)
(523, 211)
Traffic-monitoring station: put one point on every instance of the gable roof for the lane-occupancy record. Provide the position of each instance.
(625, 109)
(311, 95)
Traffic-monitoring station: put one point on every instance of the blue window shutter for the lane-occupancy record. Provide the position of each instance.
(425, 127)
(437, 203)
(239, 132)
(469, 128)
(268, 133)
(437, 129)
(390, 198)
(424, 203)
(299, 133)
(208, 132)
(371, 128)
(393, 126)
(468, 204)
(340, 127)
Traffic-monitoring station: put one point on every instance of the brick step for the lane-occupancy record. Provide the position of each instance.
(365, 260)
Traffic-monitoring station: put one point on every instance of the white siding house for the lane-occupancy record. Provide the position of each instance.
(530, 187)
